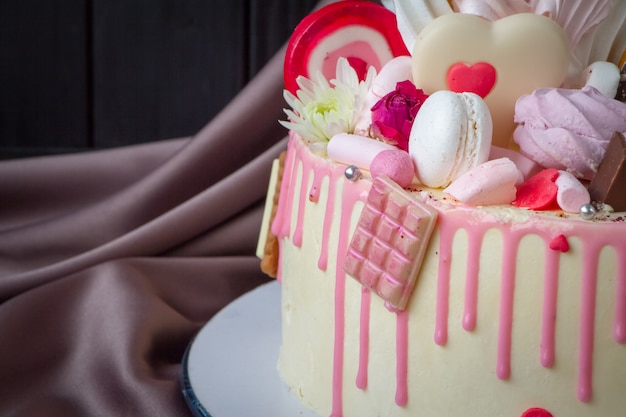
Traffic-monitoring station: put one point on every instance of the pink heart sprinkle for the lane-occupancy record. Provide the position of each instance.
(478, 78)
(560, 244)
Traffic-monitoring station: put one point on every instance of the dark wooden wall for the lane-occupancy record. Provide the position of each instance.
(90, 74)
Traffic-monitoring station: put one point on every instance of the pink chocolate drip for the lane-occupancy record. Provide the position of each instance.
(471, 284)
(350, 196)
(443, 281)
(507, 294)
(322, 262)
(281, 223)
(314, 194)
(587, 320)
(619, 331)
(307, 166)
(338, 350)
(402, 358)
(449, 224)
(364, 339)
(550, 296)
(333, 173)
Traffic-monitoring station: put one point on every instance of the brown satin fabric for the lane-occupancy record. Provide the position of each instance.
(111, 261)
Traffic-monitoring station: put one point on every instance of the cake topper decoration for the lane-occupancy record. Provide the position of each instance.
(585, 23)
(363, 33)
(389, 242)
(512, 46)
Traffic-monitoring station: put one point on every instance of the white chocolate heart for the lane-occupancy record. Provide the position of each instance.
(528, 51)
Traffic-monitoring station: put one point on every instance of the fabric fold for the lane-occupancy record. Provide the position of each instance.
(111, 261)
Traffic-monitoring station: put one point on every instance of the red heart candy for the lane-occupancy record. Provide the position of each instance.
(539, 192)
(478, 78)
(315, 44)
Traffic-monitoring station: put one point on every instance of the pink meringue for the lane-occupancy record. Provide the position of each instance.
(526, 166)
(567, 129)
(490, 183)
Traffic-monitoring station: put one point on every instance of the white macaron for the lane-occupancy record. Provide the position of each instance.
(451, 134)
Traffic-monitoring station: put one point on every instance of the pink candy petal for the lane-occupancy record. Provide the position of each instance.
(539, 192)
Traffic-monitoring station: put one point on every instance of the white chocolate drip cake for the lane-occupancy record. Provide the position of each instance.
(448, 244)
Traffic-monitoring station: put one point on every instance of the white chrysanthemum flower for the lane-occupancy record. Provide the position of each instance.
(321, 109)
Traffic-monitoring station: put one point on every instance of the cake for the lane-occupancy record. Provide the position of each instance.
(489, 282)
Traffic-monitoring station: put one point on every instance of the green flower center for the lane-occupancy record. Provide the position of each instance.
(323, 106)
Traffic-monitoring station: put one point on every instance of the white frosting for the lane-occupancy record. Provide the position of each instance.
(476, 340)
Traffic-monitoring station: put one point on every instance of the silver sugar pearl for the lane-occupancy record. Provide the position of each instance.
(353, 173)
(587, 211)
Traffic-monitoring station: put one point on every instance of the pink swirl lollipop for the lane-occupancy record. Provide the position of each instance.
(364, 33)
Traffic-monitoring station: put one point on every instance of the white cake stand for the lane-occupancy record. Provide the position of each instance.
(229, 369)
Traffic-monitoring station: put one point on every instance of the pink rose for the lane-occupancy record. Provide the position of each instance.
(392, 115)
